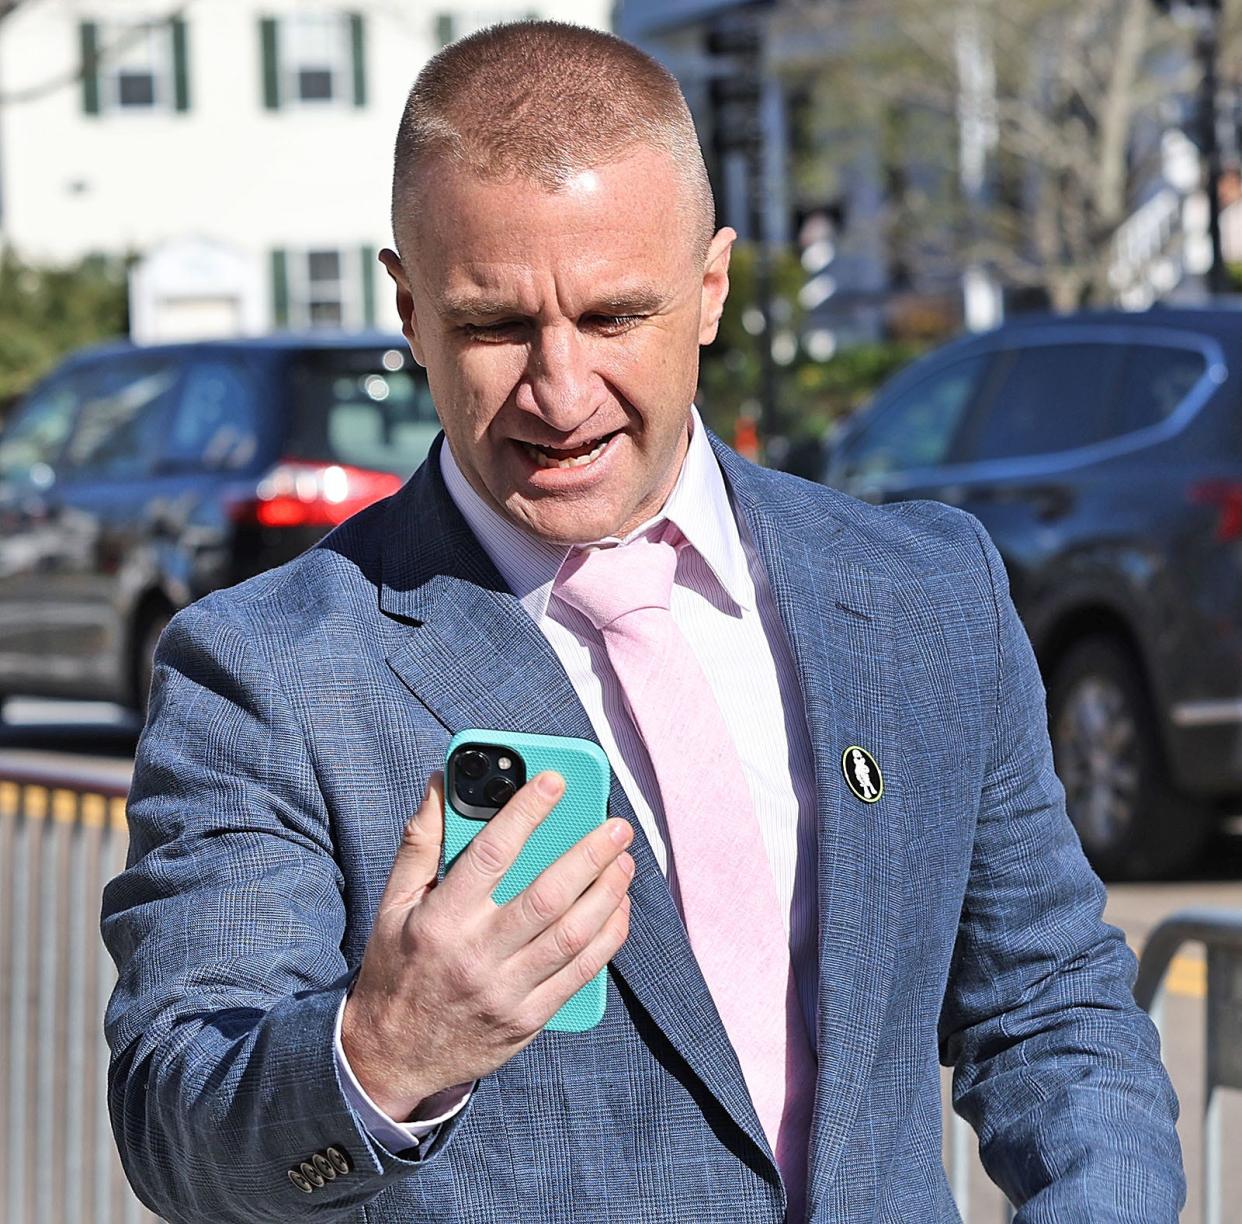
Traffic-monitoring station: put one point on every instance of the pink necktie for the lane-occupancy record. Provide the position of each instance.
(728, 894)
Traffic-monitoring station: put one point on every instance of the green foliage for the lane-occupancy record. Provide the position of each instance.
(834, 388)
(45, 312)
(810, 394)
(731, 372)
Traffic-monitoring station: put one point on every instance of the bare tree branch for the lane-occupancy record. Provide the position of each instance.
(1078, 89)
(120, 44)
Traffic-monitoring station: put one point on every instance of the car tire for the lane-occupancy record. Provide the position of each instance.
(1132, 822)
(153, 623)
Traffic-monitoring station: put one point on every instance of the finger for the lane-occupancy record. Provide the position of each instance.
(494, 849)
(547, 999)
(548, 897)
(418, 854)
(574, 931)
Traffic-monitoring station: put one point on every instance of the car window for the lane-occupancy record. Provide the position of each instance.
(127, 406)
(1050, 398)
(917, 428)
(1156, 380)
(216, 423)
(368, 409)
(31, 444)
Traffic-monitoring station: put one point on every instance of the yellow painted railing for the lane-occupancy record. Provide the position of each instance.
(62, 838)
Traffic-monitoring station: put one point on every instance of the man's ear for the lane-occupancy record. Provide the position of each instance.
(405, 302)
(715, 284)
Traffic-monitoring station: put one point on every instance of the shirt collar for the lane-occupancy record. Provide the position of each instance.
(698, 506)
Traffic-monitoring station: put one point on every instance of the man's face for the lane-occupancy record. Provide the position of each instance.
(560, 332)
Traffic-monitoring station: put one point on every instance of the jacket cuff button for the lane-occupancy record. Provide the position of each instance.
(339, 1158)
(323, 1166)
(298, 1180)
(311, 1174)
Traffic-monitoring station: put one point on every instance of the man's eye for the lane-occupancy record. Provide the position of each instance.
(493, 332)
(613, 323)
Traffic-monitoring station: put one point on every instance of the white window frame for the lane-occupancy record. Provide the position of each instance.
(292, 58)
(145, 44)
(350, 287)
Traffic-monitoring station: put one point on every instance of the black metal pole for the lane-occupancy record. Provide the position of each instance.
(768, 390)
(769, 385)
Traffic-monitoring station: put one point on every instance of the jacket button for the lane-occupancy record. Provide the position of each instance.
(324, 1166)
(311, 1174)
(298, 1180)
(339, 1159)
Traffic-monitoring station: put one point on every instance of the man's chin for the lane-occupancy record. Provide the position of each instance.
(565, 522)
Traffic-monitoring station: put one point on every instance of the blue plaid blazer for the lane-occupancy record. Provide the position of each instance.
(293, 725)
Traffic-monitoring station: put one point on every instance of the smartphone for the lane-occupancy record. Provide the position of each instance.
(483, 770)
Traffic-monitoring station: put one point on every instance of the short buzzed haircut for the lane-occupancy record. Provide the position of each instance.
(543, 101)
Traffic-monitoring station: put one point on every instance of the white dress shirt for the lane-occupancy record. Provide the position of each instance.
(723, 605)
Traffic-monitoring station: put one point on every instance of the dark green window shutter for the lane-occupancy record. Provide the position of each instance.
(88, 33)
(181, 65)
(280, 288)
(358, 45)
(444, 29)
(368, 286)
(271, 76)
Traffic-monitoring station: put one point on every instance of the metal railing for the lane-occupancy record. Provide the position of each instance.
(1220, 932)
(61, 839)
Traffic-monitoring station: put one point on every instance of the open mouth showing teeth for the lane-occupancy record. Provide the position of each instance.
(551, 457)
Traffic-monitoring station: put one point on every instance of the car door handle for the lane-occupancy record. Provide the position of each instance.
(1051, 502)
(1047, 502)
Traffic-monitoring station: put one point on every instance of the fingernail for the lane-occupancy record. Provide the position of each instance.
(619, 832)
(549, 785)
(627, 862)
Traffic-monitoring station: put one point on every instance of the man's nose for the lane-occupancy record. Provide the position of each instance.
(561, 384)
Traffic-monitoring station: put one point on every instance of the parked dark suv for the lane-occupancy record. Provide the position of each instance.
(1103, 452)
(134, 480)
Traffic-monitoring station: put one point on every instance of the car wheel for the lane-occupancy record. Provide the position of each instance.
(153, 624)
(1132, 822)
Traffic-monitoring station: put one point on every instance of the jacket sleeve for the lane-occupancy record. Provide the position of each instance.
(1055, 1066)
(226, 928)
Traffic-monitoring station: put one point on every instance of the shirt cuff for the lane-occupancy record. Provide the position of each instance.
(395, 1136)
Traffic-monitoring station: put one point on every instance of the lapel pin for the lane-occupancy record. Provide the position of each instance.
(862, 774)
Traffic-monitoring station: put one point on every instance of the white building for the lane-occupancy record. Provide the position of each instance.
(241, 148)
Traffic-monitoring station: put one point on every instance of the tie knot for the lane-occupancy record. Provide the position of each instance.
(605, 584)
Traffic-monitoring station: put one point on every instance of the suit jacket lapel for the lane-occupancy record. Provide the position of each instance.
(473, 657)
(838, 613)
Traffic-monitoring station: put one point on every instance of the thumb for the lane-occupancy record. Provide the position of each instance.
(418, 854)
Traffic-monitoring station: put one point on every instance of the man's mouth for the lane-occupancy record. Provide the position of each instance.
(579, 456)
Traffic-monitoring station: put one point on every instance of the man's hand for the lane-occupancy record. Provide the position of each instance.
(452, 985)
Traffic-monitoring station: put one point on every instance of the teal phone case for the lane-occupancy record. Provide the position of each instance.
(583, 807)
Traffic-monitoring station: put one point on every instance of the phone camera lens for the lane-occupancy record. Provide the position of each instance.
(499, 791)
(471, 765)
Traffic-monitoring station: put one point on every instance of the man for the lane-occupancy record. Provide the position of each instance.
(847, 850)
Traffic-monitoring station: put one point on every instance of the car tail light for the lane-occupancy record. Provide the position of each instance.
(296, 494)
(1226, 496)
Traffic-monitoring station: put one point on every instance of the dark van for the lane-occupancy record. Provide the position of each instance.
(1103, 453)
(135, 480)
